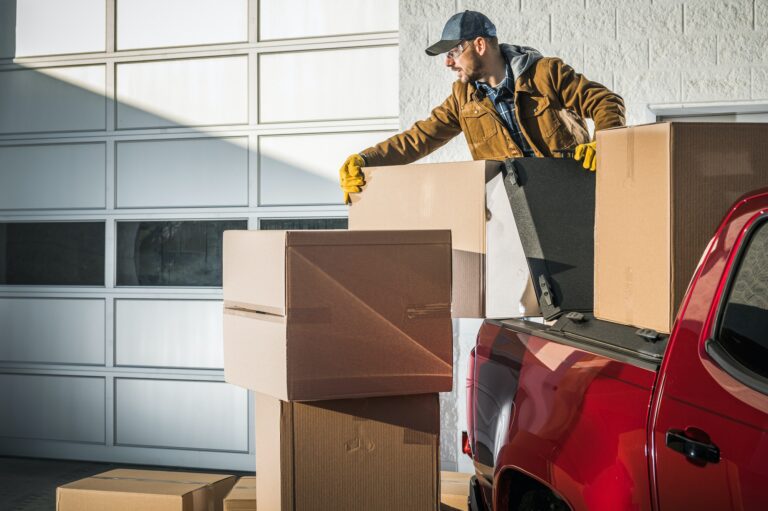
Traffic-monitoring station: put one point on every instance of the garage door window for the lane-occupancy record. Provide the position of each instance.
(52, 253)
(176, 253)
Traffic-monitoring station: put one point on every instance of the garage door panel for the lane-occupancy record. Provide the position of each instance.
(303, 169)
(328, 98)
(55, 176)
(187, 92)
(53, 99)
(153, 24)
(53, 27)
(181, 414)
(169, 333)
(52, 330)
(201, 172)
(66, 408)
(287, 19)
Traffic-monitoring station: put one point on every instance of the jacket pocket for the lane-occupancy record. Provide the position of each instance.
(538, 110)
(480, 124)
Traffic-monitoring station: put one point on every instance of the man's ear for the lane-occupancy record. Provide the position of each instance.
(481, 45)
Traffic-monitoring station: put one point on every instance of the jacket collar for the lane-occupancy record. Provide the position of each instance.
(524, 83)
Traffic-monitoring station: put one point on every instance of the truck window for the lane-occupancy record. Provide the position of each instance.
(744, 323)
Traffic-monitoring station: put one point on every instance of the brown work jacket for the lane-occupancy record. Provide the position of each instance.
(551, 103)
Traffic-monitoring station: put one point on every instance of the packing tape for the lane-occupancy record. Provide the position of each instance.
(411, 437)
(428, 311)
(148, 480)
(630, 159)
(310, 315)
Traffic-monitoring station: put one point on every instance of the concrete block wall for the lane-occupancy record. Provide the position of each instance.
(649, 51)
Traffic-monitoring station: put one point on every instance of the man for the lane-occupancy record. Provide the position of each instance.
(509, 101)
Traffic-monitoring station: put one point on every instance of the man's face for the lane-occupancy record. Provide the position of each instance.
(464, 62)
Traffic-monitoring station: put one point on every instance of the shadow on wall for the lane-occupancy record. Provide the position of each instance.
(7, 29)
(72, 99)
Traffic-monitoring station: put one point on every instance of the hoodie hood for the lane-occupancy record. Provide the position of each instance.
(520, 58)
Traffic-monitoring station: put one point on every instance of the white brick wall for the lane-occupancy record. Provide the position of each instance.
(649, 51)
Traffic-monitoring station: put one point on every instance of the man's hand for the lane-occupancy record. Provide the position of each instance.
(351, 178)
(589, 153)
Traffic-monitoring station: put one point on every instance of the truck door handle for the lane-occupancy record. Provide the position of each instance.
(694, 450)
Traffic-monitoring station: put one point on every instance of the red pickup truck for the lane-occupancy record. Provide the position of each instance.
(587, 414)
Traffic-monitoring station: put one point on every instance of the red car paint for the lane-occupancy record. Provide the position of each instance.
(591, 425)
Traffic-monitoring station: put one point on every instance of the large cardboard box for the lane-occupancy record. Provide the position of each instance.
(242, 497)
(129, 490)
(490, 271)
(662, 190)
(373, 454)
(313, 315)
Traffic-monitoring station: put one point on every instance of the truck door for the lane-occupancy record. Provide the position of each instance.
(709, 437)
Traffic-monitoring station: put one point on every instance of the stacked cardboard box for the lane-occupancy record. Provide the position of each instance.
(662, 190)
(346, 338)
(318, 315)
(375, 453)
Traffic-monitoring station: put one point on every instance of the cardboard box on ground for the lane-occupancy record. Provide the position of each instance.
(129, 490)
(318, 315)
(242, 496)
(373, 454)
(662, 190)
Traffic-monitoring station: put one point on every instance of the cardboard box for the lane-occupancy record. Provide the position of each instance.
(372, 454)
(129, 490)
(490, 271)
(242, 497)
(313, 315)
(454, 490)
(662, 190)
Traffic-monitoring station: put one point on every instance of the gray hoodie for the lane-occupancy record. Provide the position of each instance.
(520, 58)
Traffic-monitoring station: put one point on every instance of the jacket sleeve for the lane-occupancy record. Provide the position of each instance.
(587, 98)
(420, 139)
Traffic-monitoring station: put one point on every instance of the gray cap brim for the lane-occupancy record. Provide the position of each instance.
(442, 47)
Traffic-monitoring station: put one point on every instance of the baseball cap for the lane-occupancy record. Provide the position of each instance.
(461, 27)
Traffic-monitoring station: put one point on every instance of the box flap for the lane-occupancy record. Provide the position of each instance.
(253, 272)
(255, 355)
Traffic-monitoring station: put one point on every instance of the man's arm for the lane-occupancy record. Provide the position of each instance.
(418, 141)
(587, 98)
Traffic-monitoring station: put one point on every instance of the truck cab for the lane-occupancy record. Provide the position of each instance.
(587, 414)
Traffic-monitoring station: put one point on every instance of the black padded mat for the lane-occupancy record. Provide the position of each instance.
(553, 201)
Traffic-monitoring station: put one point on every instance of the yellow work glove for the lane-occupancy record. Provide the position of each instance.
(351, 178)
(589, 153)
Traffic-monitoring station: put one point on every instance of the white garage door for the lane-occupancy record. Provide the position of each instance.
(132, 133)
